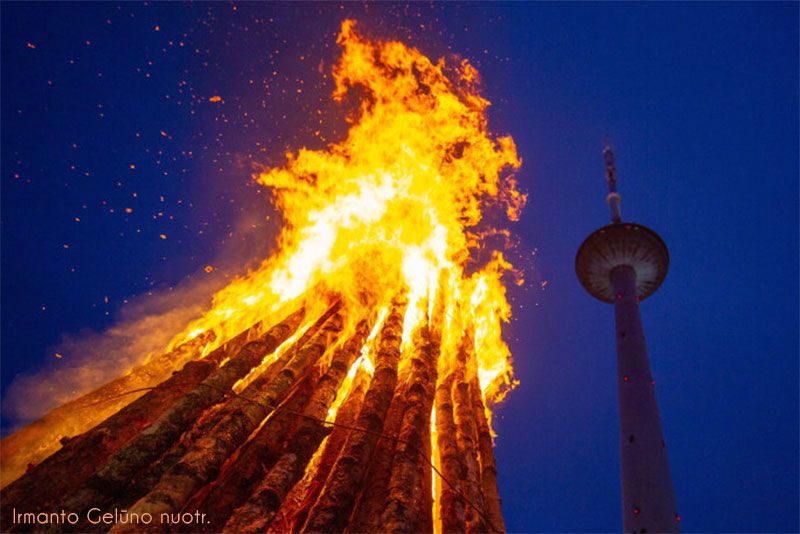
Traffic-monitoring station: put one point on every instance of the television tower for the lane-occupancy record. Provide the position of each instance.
(621, 264)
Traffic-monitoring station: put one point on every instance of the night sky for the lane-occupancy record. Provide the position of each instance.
(130, 132)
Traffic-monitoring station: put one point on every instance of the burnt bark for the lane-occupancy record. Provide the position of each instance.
(63, 472)
(466, 436)
(408, 507)
(159, 436)
(451, 461)
(295, 509)
(491, 495)
(202, 463)
(257, 513)
(332, 510)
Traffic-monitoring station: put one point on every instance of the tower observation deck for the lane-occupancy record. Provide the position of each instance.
(623, 263)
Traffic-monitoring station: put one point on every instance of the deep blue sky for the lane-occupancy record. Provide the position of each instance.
(700, 101)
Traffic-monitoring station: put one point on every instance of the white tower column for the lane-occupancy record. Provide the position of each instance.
(648, 500)
(623, 263)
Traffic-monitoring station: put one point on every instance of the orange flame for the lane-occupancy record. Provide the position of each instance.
(392, 209)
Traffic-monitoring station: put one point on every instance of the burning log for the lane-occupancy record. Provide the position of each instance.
(491, 496)
(202, 463)
(162, 433)
(296, 505)
(113, 476)
(247, 467)
(372, 503)
(150, 476)
(63, 472)
(336, 501)
(257, 513)
(406, 509)
(451, 502)
(466, 435)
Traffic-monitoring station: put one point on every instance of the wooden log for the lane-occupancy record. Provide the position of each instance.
(159, 436)
(249, 466)
(265, 376)
(257, 513)
(216, 387)
(332, 510)
(466, 436)
(367, 513)
(63, 472)
(451, 503)
(150, 476)
(407, 509)
(38, 440)
(274, 428)
(491, 495)
(202, 463)
(123, 476)
(294, 510)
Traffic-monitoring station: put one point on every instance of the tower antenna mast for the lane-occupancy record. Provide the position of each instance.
(613, 197)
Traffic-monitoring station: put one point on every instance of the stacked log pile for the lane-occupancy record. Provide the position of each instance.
(331, 432)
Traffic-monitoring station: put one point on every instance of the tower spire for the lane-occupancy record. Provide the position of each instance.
(613, 197)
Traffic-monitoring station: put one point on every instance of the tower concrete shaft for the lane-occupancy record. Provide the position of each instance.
(623, 263)
(648, 500)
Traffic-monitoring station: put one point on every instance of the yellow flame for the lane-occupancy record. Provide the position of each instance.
(395, 208)
(406, 206)
(270, 358)
(363, 362)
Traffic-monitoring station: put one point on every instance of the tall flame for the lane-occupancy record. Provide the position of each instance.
(400, 214)
(392, 209)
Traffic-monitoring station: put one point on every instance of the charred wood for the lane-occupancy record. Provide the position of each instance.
(491, 495)
(158, 437)
(202, 463)
(332, 510)
(295, 509)
(63, 472)
(257, 513)
(408, 507)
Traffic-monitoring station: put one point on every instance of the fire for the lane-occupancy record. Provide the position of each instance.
(362, 364)
(392, 209)
(385, 293)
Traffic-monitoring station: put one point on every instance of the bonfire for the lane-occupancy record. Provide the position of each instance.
(348, 382)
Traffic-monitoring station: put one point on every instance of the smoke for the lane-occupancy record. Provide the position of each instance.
(90, 359)
(141, 328)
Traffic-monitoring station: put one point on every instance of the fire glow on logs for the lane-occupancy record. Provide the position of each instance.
(347, 383)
